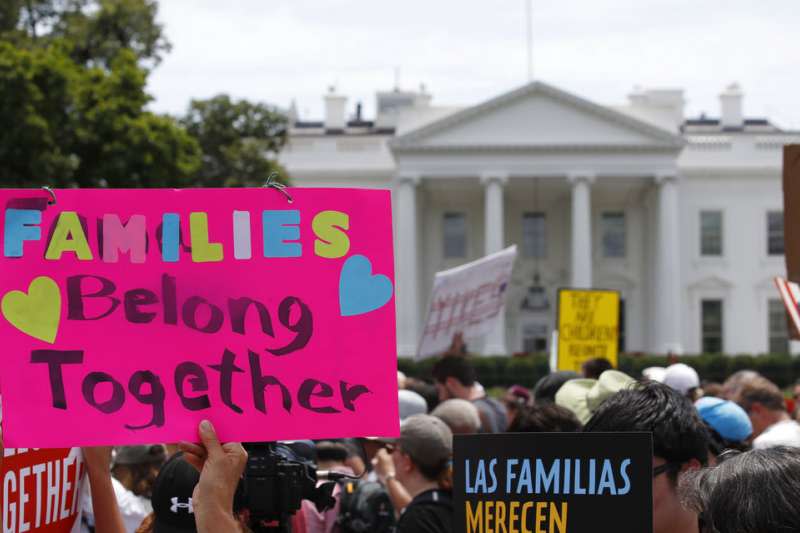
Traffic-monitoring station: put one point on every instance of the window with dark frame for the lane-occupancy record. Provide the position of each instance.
(534, 243)
(775, 233)
(711, 326)
(778, 329)
(455, 235)
(711, 233)
(613, 227)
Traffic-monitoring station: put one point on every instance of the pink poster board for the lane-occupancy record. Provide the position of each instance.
(130, 315)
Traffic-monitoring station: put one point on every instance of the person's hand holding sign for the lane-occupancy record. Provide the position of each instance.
(221, 467)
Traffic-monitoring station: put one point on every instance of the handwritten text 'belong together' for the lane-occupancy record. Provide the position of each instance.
(94, 297)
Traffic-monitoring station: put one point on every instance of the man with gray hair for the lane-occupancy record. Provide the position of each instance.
(422, 461)
(461, 416)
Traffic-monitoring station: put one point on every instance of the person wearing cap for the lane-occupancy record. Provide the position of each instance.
(683, 379)
(517, 397)
(173, 503)
(135, 469)
(410, 403)
(460, 416)
(680, 444)
(584, 396)
(654, 373)
(728, 424)
(422, 461)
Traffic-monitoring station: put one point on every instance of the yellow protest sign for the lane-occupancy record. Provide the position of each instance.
(588, 327)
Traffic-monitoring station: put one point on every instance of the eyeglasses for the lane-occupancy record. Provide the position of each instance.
(660, 469)
(390, 446)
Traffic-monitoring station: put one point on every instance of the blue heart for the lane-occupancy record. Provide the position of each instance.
(359, 291)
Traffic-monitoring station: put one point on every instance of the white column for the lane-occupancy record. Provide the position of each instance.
(407, 295)
(668, 265)
(493, 183)
(581, 229)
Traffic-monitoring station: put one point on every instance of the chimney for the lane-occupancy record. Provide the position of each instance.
(334, 110)
(730, 102)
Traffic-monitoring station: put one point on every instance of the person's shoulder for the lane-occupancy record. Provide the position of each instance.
(786, 433)
(431, 512)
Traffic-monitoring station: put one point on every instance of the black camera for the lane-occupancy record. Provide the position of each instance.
(275, 482)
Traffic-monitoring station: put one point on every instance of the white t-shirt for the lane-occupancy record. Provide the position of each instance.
(784, 433)
(133, 508)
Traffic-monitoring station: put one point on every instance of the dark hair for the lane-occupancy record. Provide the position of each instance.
(763, 391)
(719, 444)
(142, 476)
(544, 418)
(454, 367)
(749, 492)
(592, 368)
(332, 451)
(546, 388)
(679, 435)
(426, 390)
(713, 389)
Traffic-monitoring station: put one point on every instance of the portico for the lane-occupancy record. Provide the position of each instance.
(543, 165)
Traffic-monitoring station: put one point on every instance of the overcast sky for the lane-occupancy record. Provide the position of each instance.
(466, 51)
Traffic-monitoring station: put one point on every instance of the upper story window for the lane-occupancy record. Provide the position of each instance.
(775, 233)
(711, 233)
(455, 235)
(613, 228)
(534, 243)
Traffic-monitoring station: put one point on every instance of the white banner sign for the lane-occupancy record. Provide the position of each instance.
(468, 299)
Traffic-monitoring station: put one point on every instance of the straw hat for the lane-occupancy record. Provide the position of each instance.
(584, 396)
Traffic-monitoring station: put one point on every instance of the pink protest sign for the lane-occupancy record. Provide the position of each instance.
(130, 315)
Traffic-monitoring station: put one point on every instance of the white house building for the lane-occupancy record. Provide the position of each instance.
(682, 216)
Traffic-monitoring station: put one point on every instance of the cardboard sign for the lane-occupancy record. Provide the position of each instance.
(588, 327)
(41, 489)
(553, 482)
(791, 216)
(468, 299)
(130, 315)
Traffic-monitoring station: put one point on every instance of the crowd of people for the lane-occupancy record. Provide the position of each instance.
(726, 456)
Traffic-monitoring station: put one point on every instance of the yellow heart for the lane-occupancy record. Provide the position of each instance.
(36, 313)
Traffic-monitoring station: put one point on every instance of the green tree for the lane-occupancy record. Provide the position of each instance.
(239, 139)
(121, 145)
(37, 95)
(66, 124)
(96, 31)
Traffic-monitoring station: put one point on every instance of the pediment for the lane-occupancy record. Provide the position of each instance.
(711, 283)
(537, 115)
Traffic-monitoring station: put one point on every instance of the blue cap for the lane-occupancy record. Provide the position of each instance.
(725, 417)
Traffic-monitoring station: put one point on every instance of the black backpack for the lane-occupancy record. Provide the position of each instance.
(364, 507)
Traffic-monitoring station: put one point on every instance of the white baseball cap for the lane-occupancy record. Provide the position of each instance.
(681, 377)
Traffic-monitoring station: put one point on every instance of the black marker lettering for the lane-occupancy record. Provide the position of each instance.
(54, 360)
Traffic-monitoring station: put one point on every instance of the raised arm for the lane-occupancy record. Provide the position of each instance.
(221, 467)
(107, 517)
